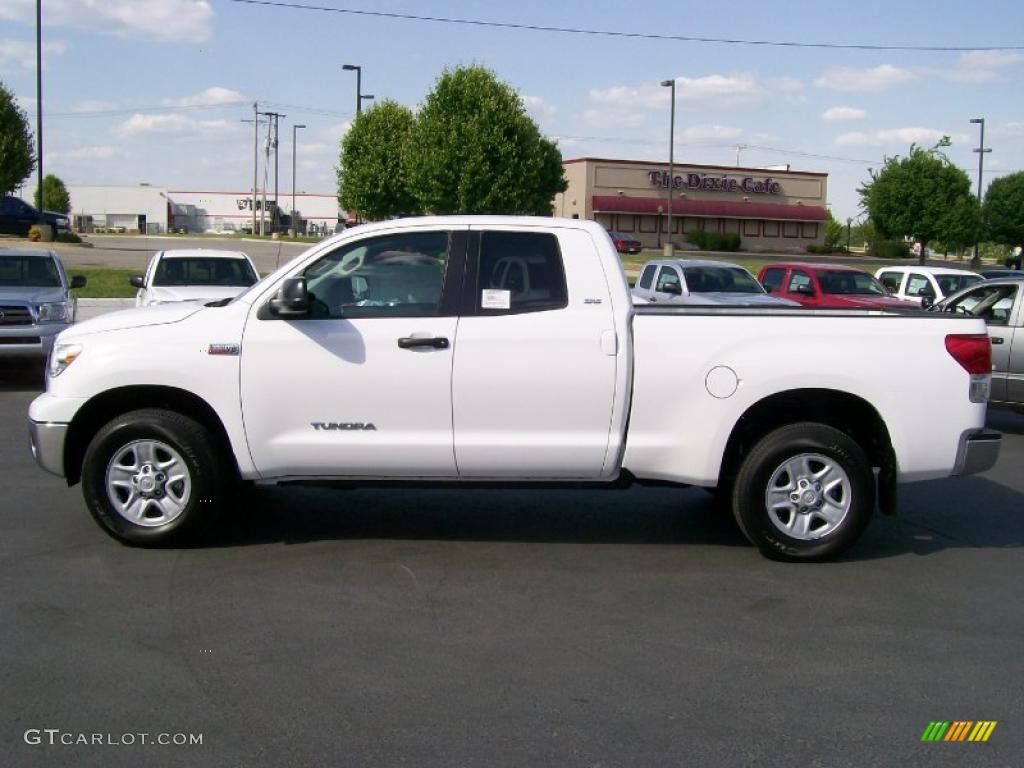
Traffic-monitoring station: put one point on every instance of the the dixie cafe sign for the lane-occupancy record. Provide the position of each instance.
(716, 183)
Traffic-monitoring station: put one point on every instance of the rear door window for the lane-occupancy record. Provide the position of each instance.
(519, 272)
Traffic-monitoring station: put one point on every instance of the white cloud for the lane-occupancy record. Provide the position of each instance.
(842, 114)
(710, 90)
(980, 66)
(86, 153)
(613, 117)
(190, 20)
(539, 107)
(93, 105)
(211, 97)
(698, 133)
(877, 78)
(22, 53)
(894, 136)
(139, 124)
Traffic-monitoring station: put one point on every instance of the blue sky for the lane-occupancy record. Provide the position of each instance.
(154, 90)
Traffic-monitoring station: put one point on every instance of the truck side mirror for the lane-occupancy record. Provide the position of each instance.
(673, 288)
(78, 281)
(805, 290)
(768, 289)
(137, 281)
(927, 301)
(291, 299)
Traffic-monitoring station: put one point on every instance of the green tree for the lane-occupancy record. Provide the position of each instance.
(17, 160)
(917, 195)
(55, 195)
(475, 150)
(962, 226)
(371, 173)
(1004, 210)
(835, 233)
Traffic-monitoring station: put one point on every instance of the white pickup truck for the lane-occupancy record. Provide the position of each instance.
(507, 350)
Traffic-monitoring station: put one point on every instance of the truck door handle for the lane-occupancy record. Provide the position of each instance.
(997, 340)
(437, 342)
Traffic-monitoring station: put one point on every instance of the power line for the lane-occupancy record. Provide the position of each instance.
(188, 107)
(620, 34)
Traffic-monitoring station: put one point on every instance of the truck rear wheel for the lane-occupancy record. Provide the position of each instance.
(804, 492)
(153, 478)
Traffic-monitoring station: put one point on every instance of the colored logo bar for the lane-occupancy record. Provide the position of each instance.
(959, 730)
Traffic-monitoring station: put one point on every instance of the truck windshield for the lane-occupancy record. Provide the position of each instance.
(177, 271)
(848, 282)
(35, 271)
(720, 280)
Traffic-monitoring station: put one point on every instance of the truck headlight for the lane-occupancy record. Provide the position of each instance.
(62, 356)
(56, 312)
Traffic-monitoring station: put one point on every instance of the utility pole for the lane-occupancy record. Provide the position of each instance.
(359, 85)
(255, 159)
(980, 149)
(39, 103)
(272, 143)
(295, 128)
(739, 148)
(669, 246)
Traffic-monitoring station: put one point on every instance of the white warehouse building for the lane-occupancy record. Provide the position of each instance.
(153, 210)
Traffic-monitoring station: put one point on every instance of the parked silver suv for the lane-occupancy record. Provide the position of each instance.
(36, 302)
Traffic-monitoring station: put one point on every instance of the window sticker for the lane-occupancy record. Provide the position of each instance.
(491, 298)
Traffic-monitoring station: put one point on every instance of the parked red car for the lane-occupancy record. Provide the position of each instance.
(625, 244)
(830, 286)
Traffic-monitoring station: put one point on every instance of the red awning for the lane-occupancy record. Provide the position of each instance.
(724, 208)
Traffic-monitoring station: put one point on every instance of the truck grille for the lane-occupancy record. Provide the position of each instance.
(19, 340)
(15, 314)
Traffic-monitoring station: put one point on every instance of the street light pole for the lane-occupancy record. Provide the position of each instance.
(359, 84)
(39, 103)
(294, 129)
(980, 121)
(669, 248)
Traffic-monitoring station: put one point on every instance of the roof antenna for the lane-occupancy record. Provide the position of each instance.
(278, 262)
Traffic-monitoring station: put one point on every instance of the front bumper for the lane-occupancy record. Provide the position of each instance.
(48, 445)
(978, 451)
(34, 341)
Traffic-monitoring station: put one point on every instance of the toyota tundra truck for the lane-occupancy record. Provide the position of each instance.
(507, 351)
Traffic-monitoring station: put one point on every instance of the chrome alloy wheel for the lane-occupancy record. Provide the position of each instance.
(808, 496)
(148, 483)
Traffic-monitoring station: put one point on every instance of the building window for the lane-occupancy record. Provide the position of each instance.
(690, 224)
(648, 223)
(810, 230)
(605, 220)
(791, 229)
(624, 223)
(771, 229)
(712, 225)
(751, 228)
(731, 226)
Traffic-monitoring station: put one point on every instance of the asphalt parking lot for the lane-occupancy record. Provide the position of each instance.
(481, 628)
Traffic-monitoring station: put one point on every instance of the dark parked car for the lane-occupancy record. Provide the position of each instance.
(625, 244)
(17, 217)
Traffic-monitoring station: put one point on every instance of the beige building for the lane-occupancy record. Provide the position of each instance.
(770, 209)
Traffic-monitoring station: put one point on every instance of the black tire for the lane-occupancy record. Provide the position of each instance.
(767, 455)
(212, 480)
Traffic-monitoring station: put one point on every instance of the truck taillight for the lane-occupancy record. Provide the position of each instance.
(973, 351)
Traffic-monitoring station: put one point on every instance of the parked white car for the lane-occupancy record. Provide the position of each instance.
(916, 283)
(193, 274)
(506, 350)
(701, 282)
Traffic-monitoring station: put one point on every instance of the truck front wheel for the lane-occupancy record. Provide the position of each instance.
(152, 478)
(804, 492)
